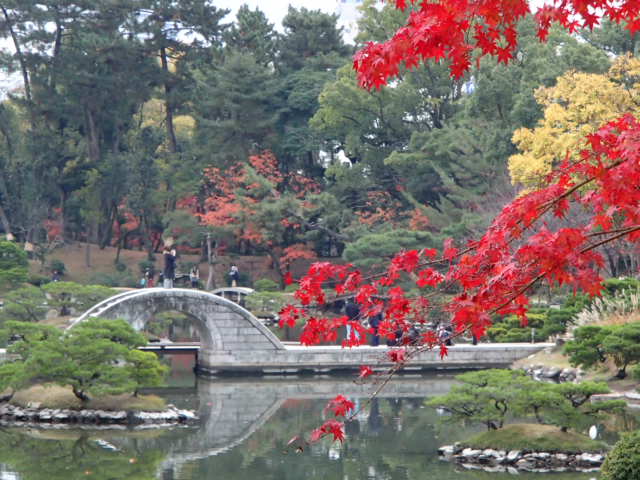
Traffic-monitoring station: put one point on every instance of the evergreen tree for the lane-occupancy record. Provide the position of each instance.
(235, 111)
(252, 33)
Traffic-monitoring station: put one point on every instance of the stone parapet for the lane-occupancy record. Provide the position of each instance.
(296, 359)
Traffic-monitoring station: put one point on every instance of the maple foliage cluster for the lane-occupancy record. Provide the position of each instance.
(234, 191)
(232, 196)
(518, 250)
(494, 274)
(460, 31)
(522, 248)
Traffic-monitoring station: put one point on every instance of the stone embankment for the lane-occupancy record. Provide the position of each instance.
(12, 415)
(515, 461)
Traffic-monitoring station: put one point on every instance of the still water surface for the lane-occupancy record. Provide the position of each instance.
(244, 429)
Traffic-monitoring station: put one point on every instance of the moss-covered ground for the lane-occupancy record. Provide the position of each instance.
(54, 396)
(534, 437)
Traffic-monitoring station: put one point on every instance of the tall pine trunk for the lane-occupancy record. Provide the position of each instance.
(168, 102)
(211, 258)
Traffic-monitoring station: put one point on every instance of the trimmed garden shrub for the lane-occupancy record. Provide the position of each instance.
(623, 462)
(615, 285)
(265, 285)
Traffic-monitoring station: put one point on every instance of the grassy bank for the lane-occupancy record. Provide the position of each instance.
(54, 396)
(539, 438)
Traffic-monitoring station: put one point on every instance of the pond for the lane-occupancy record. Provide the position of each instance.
(245, 426)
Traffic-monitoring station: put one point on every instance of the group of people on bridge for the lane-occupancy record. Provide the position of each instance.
(168, 275)
(444, 332)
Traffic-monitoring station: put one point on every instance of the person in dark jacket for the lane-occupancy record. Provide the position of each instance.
(234, 275)
(352, 310)
(374, 323)
(169, 271)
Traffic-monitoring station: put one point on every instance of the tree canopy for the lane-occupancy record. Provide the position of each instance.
(96, 357)
(526, 243)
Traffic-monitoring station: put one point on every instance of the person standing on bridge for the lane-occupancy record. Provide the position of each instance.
(148, 275)
(169, 271)
(234, 275)
(194, 276)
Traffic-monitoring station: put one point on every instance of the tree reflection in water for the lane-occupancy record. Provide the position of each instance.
(66, 455)
(392, 438)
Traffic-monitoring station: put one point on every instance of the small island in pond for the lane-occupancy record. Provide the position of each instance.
(90, 374)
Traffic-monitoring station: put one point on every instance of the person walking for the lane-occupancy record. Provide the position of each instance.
(353, 312)
(194, 276)
(169, 271)
(234, 275)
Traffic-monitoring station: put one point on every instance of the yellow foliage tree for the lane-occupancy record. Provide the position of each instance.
(576, 106)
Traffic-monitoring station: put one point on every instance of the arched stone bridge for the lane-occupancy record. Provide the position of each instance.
(233, 340)
(228, 333)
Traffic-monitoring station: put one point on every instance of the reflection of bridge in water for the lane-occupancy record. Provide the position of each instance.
(233, 340)
(232, 410)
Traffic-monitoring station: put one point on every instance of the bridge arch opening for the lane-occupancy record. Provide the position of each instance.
(172, 325)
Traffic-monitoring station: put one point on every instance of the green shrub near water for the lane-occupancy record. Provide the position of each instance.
(70, 297)
(623, 462)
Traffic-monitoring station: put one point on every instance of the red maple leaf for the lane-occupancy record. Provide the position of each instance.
(397, 355)
(340, 406)
(365, 371)
(449, 252)
(330, 427)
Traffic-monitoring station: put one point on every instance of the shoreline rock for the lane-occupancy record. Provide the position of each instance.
(19, 416)
(553, 374)
(492, 460)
